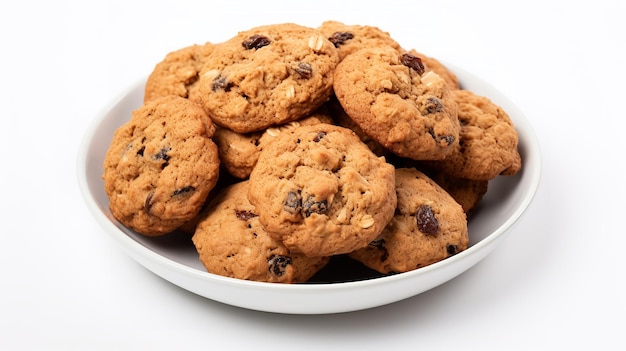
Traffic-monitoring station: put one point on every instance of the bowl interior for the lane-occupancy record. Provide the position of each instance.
(506, 200)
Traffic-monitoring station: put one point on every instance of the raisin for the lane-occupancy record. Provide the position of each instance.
(338, 38)
(293, 202)
(256, 42)
(426, 221)
(244, 215)
(319, 136)
(277, 264)
(220, 83)
(413, 62)
(162, 155)
(433, 105)
(304, 70)
(452, 249)
(147, 205)
(448, 139)
(310, 206)
(183, 190)
(140, 151)
(380, 245)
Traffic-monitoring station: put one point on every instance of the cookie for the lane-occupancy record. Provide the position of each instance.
(351, 38)
(488, 141)
(321, 191)
(467, 192)
(161, 165)
(177, 74)
(393, 100)
(268, 75)
(240, 152)
(225, 180)
(432, 64)
(341, 118)
(232, 242)
(428, 226)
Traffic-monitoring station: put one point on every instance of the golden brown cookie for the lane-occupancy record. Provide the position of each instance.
(351, 38)
(161, 165)
(321, 191)
(432, 64)
(466, 192)
(177, 74)
(240, 152)
(488, 141)
(232, 242)
(225, 180)
(268, 75)
(428, 226)
(341, 118)
(393, 100)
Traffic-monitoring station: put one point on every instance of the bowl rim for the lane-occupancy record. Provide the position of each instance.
(532, 169)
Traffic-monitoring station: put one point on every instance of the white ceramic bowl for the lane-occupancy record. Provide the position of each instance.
(177, 261)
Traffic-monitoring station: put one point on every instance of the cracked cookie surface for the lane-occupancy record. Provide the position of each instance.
(488, 144)
(428, 226)
(396, 102)
(349, 38)
(177, 74)
(161, 165)
(321, 191)
(268, 75)
(232, 242)
(432, 64)
(239, 152)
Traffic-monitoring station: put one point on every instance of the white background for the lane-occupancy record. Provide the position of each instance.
(556, 282)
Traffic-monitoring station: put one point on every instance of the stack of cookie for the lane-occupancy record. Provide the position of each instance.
(285, 146)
